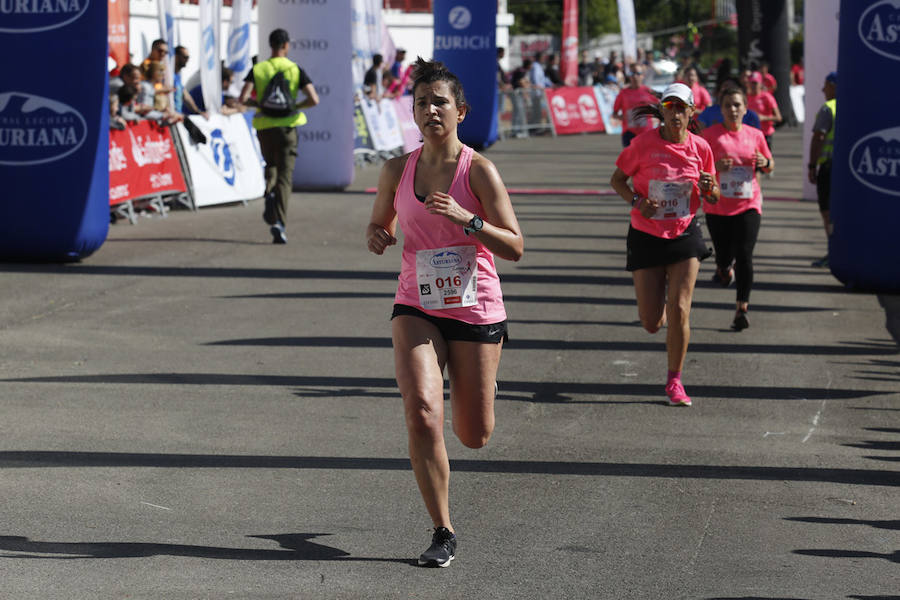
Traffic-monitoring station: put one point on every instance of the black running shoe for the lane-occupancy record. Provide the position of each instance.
(279, 236)
(441, 551)
(740, 321)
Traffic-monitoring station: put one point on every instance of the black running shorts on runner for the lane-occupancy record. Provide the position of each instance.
(645, 250)
(452, 329)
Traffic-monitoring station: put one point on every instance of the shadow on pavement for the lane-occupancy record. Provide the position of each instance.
(55, 459)
(536, 391)
(297, 547)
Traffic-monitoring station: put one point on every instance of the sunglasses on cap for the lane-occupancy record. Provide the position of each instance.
(674, 105)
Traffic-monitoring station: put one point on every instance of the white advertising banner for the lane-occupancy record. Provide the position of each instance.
(320, 43)
(384, 126)
(820, 56)
(238, 50)
(227, 167)
(366, 32)
(210, 65)
(629, 29)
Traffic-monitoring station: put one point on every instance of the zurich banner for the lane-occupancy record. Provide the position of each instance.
(465, 39)
(865, 179)
(54, 131)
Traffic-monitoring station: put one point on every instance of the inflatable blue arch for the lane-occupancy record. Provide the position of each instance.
(54, 131)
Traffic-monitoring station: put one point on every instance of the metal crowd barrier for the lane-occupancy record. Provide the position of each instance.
(524, 112)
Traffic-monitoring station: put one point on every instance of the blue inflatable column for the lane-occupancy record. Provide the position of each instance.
(54, 131)
(864, 250)
(465, 39)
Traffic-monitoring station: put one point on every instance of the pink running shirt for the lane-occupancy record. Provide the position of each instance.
(651, 160)
(423, 231)
(629, 98)
(740, 145)
(763, 104)
(702, 99)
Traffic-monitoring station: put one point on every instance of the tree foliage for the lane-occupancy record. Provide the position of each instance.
(598, 17)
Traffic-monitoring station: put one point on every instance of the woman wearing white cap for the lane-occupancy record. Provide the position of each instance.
(670, 169)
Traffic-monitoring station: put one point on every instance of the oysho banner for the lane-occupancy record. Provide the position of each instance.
(321, 45)
(865, 177)
(54, 132)
(465, 39)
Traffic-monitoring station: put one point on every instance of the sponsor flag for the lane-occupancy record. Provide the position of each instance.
(118, 31)
(629, 29)
(210, 66)
(569, 65)
(238, 58)
(366, 36)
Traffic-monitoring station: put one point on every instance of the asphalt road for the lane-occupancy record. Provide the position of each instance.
(193, 412)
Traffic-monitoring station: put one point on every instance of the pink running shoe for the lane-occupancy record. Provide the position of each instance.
(675, 392)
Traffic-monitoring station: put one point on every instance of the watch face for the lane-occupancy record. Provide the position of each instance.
(477, 223)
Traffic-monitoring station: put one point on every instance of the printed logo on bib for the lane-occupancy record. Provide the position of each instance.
(447, 277)
(674, 198)
(737, 182)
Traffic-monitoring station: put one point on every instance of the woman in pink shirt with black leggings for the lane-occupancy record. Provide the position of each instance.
(456, 216)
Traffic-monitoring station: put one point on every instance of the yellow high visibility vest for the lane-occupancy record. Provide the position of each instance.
(263, 72)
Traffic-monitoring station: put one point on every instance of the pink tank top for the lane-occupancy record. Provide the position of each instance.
(425, 234)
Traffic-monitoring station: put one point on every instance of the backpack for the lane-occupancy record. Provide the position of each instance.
(277, 100)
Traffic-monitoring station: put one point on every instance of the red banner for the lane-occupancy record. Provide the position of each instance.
(574, 110)
(569, 62)
(118, 31)
(142, 162)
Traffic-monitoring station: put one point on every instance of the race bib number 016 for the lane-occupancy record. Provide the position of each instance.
(674, 198)
(737, 182)
(447, 277)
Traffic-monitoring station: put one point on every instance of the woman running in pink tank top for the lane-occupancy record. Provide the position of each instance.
(456, 216)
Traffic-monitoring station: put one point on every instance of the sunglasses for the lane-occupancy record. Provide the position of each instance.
(674, 105)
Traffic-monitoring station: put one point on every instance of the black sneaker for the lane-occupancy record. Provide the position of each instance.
(278, 234)
(441, 551)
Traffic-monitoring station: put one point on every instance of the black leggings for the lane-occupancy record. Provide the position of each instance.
(734, 238)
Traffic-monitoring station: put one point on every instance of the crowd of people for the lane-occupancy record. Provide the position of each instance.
(139, 91)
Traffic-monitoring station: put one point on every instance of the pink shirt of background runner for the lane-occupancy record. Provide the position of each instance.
(764, 105)
(651, 157)
(629, 98)
(702, 99)
(741, 146)
(424, 231)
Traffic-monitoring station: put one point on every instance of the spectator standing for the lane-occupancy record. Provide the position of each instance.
(372, 79)
(821, 148)
(764, 104)
(634, 95)
(158, 51)
(552, 71)
(397, 67)
(797, 73)
(277, 133)
(180, 99)
(537, 75)
(585, 69)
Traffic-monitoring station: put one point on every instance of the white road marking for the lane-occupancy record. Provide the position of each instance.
(155, 506)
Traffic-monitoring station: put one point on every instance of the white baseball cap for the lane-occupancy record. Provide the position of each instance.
(680, 91)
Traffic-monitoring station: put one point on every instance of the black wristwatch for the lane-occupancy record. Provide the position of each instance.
(474, 225)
